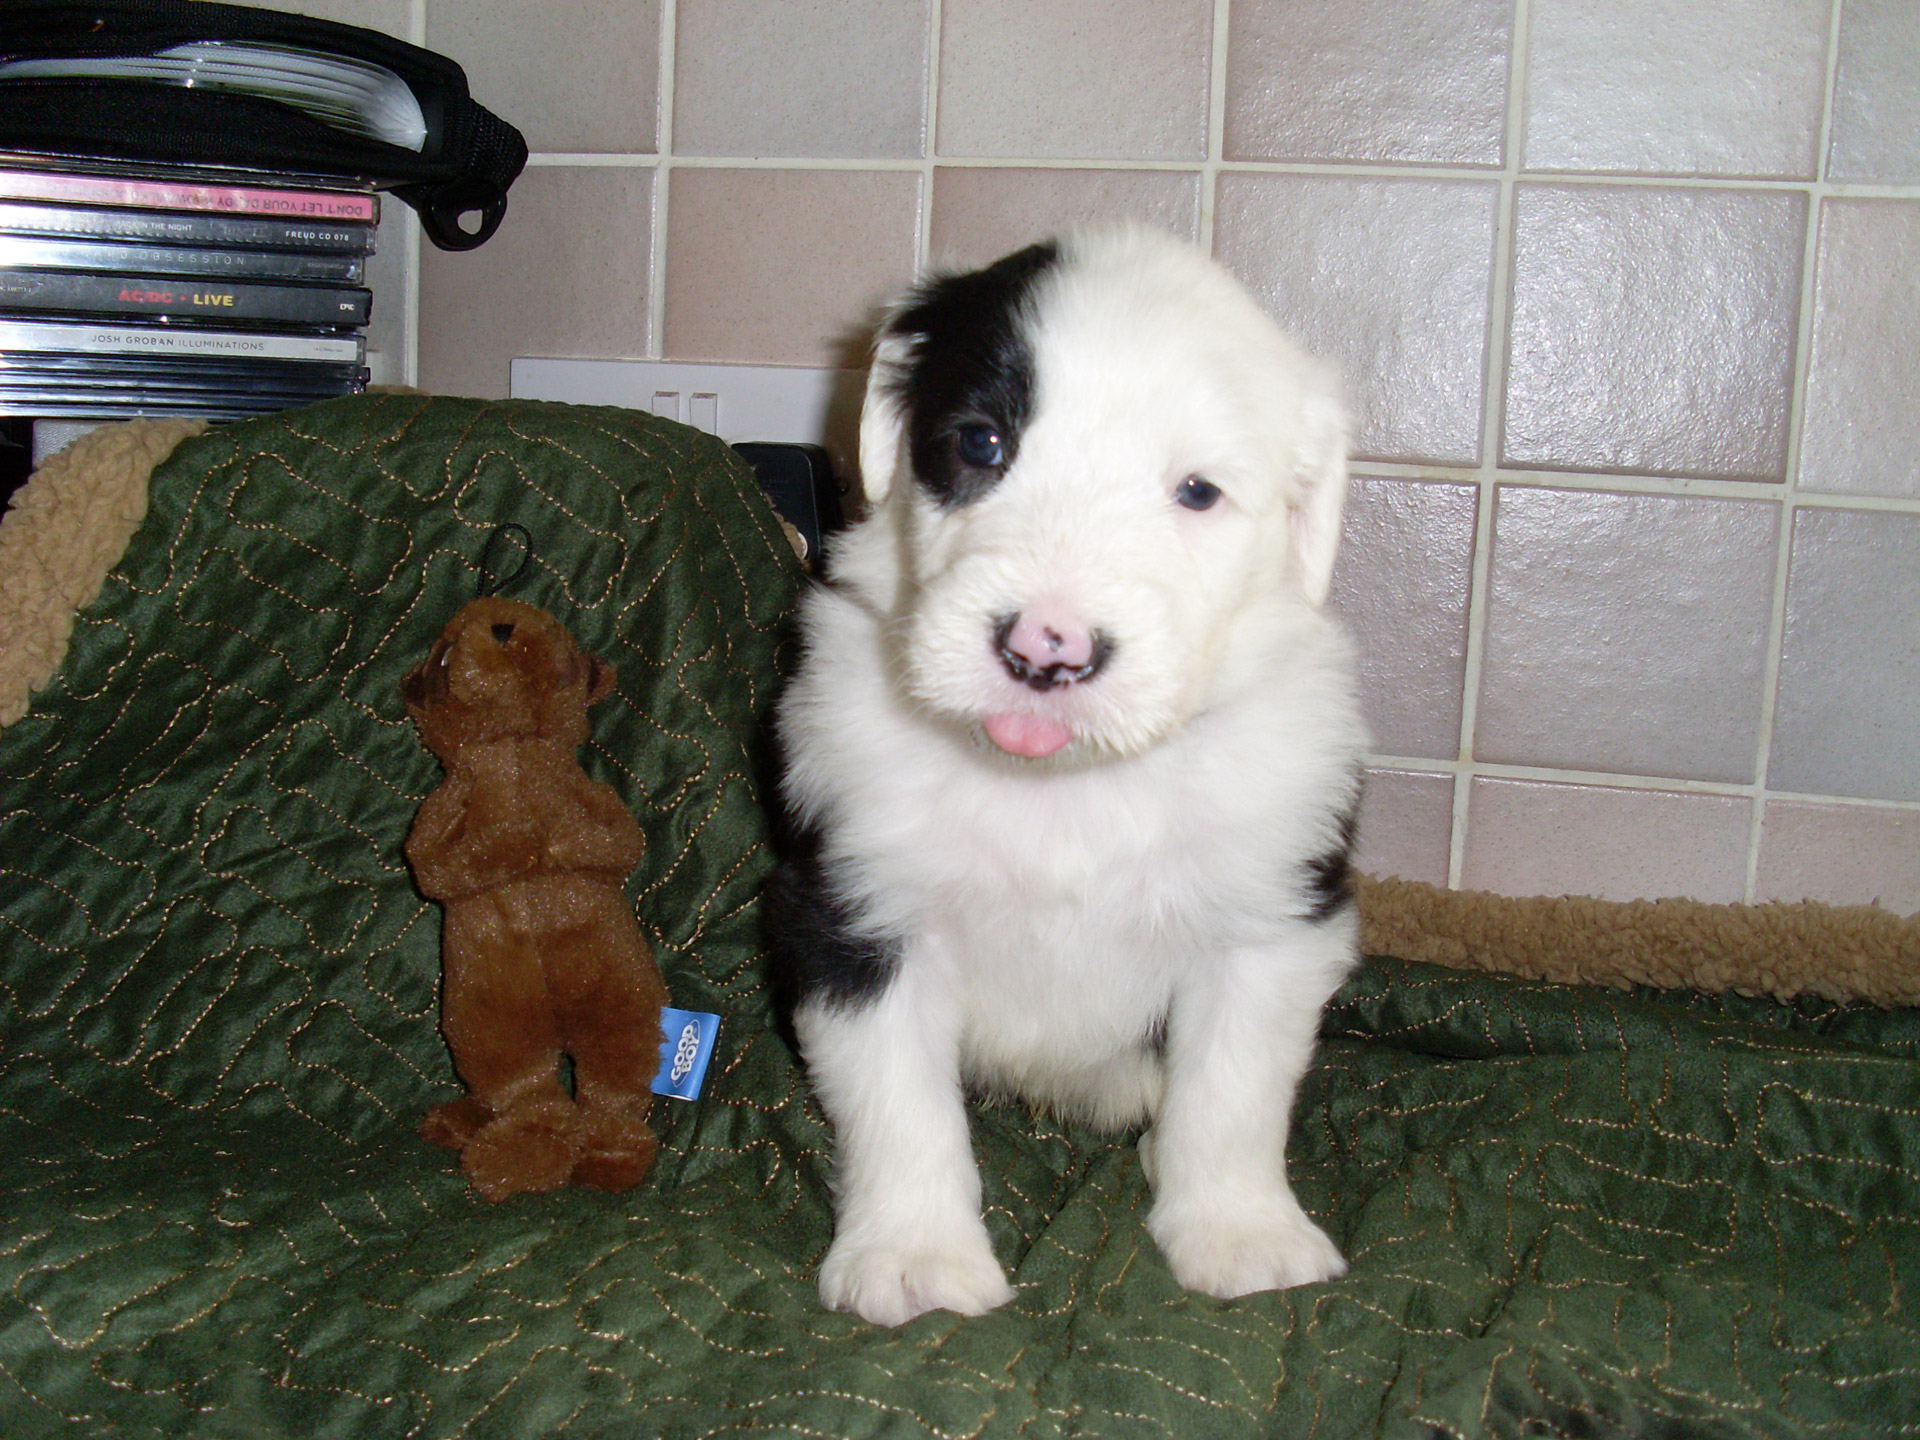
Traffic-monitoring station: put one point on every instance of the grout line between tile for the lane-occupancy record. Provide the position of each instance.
(589, 160)
(1216, 122)
(1642, 484)
(1789, 498)
(662, 178)
(929, 140)
(1205, 166)
(411, 242)
(1884, 504)
(1767, 491)
(1551, 775)
(1486, 475)
(1614, 780)
(1547, 177)
(1848, 802)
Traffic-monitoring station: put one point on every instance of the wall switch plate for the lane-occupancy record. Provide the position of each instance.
(735, 402)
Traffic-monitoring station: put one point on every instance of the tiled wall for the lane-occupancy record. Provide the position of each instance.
(1627, 294)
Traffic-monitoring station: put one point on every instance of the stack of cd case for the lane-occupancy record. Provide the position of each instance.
(127, 292)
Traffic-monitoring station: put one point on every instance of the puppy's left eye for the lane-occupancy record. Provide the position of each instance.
(980, 446)
(1197, 493)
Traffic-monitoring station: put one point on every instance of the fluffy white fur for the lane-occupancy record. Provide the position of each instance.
(1052, 914)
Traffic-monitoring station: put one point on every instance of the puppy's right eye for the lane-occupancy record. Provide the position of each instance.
(1196, 492)
(980, 446)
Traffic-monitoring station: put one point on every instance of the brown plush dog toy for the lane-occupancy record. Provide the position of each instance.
(540, 952)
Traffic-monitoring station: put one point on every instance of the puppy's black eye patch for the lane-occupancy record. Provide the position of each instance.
(980, 446)
(967, 386)
(1197, 493)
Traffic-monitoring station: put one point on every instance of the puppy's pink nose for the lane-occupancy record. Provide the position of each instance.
(1045, 648)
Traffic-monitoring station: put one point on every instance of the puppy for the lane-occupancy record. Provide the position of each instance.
(1072, 761)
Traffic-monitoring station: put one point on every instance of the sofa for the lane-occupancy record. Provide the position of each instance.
(1600, 1170)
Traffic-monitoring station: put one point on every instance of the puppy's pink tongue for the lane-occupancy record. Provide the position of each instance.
(1028, 736)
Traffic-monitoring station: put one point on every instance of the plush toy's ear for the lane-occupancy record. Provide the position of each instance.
(1321, 474)
(883, 418)
(427, 680)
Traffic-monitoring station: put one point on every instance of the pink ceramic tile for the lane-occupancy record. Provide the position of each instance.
(1712, 87)
(1390, 279)
(1840, 854)
(1653, 329)
(1406, 825)
(1627, 633)
(1862, 430)
(819, 78)
(588, 84)
(983, 212)
(785, 267)
(1847, 721)
(1402, 585)
(1876, 103)
(1403, 81)
(1080, 79)
(1530, 838)
(566, 274)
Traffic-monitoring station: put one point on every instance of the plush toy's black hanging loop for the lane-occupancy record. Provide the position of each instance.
(492, 582)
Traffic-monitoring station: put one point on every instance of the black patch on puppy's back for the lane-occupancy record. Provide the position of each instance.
(970, 362)
(814, 951)
(1330, 874)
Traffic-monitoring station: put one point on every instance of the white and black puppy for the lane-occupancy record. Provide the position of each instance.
(1072, 762)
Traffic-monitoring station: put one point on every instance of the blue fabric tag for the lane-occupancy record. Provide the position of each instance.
(685, 1052)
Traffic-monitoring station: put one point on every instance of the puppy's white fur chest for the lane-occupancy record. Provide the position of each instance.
(1054, 937)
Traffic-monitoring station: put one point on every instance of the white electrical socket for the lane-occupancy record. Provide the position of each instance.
(735, 402)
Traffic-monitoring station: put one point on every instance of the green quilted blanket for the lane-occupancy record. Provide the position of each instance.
(1570, 1211)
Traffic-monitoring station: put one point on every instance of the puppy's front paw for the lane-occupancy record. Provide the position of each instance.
(1237, 1251)
(888, 1282)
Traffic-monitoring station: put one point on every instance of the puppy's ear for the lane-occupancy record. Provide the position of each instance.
(883, 418)
(1321, 474)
